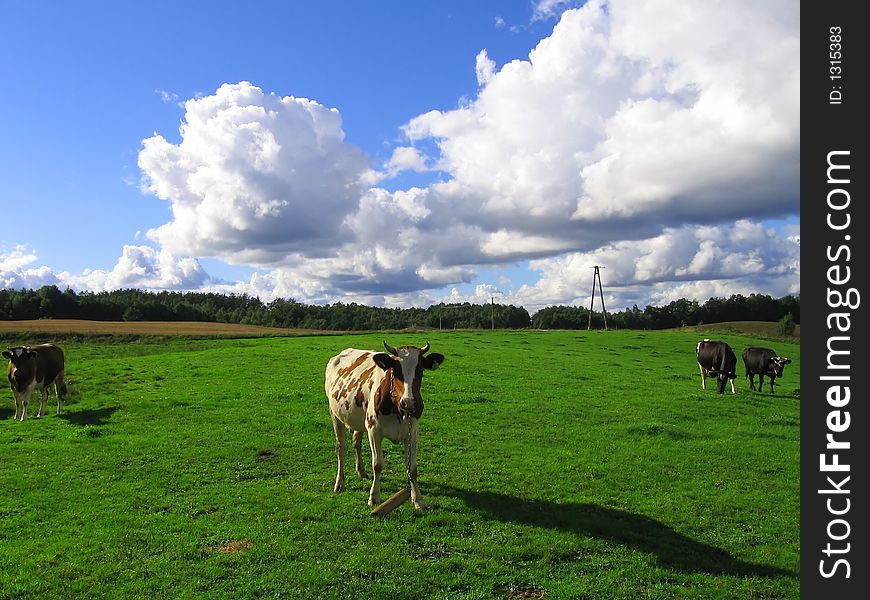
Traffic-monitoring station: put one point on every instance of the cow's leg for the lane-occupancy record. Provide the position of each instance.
(357, 448)
(60, 391)
(703, 377)
(751, 377)
(761, 382)
(733, 388)
(411, 465)
(19, 403)
(772, 378)
(340, 451)
(43, 399)
(375, 439)
(25, 402)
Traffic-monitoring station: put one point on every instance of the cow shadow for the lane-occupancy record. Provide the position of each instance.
(6, 413)
(672, 549)
(96, 416)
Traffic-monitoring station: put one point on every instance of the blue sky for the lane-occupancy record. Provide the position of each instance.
(457, 165)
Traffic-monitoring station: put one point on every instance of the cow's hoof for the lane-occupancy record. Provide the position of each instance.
(362, 474)
(421, 506)
(339, 487)
(374, 501)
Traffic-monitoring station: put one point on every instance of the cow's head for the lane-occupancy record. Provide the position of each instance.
(21, 367)
(19, 355)
(722, 379)
(777, 364)
(407, 364)
(723, 376)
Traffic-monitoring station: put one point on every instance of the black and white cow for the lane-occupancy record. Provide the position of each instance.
(761, 362)
(717, 358)
(35, 367)
(379, 394)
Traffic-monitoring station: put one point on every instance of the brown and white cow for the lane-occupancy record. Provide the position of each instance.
(378, 393)
(35, 367)
(716, 358)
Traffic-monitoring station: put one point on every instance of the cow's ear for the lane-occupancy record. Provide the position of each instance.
(433, 361)
(7, 354)
(32, 353)
(384, 361)
(786, 361)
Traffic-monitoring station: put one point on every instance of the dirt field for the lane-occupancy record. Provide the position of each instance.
(141, 327)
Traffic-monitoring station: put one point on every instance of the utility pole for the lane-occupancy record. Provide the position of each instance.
(441, 315)
(492, 312)
(597, 275)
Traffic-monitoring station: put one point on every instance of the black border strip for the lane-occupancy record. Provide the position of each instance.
(834, 223)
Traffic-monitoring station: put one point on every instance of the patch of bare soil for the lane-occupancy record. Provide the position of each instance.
(235, 546)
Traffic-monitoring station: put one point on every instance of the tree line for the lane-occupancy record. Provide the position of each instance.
(49, 302)
(679, 313)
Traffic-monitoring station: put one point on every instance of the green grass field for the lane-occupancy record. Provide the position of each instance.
(555, 464)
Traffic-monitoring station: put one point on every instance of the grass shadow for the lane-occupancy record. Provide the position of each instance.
(96, 416)
(672, 549)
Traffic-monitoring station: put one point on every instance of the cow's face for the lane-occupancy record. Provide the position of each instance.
(722, 378)
(407, 364)
(777, 364)
(21, 365)
(19, 355)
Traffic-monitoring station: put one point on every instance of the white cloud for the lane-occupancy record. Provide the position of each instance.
(694, 262)
(652, 139)
(255, 177)
(626, 125)
(617, 124)
(545, 9)
(484, 67)
(166, 97)
(14, 260)
(142, 267)
(406, 158)
(16, 272)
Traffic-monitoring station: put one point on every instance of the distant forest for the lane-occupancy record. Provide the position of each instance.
(49, 302)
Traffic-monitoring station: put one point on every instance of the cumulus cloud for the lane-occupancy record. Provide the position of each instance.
(626, 125)
(484, 67)
(17, 258)
(545, 9)
(652, 139)
(255, 177)
(614, 127)
(694, 262)
(406, 158)
(16, 271)
(142, 267)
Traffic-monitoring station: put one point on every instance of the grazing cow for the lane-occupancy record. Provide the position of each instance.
(35, 367)
(717, 358)
(378, 393)
(761, 362)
